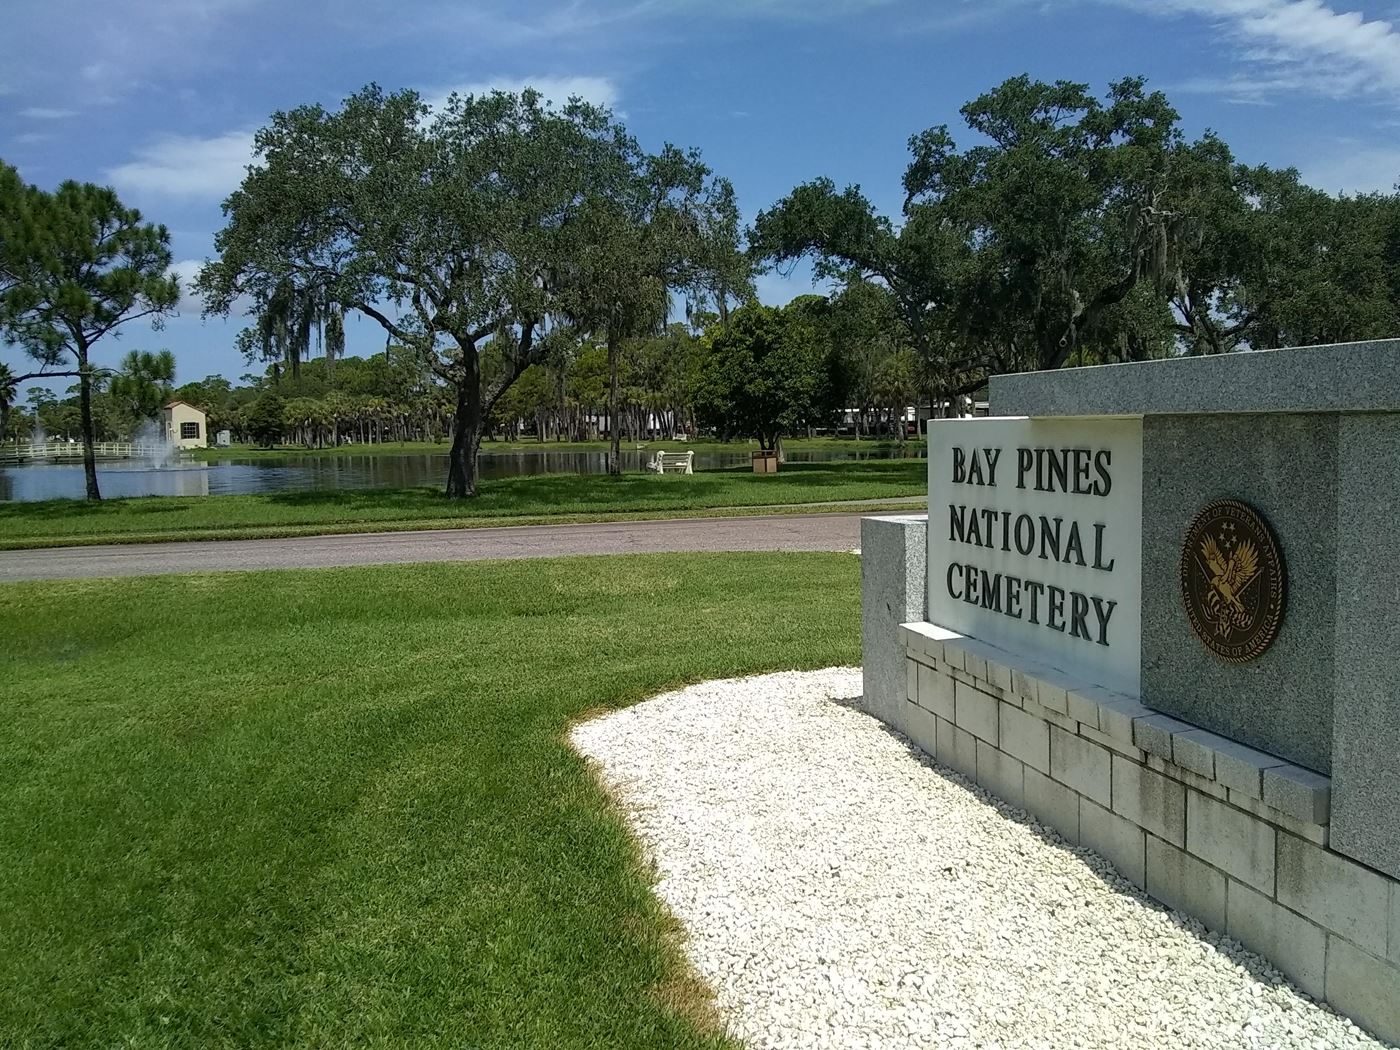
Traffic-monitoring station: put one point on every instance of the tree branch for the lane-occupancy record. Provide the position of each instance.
(45, 375)
(1114, 293)
(384, 322)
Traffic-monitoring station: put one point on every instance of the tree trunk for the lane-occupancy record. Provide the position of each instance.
(614, 431)
(466, 430)
(85, 409)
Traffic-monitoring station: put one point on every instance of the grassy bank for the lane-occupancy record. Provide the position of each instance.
(547, 498)
(820, 444)
(335, 808)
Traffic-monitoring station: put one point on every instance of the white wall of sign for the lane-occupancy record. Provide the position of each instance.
(1035, 540)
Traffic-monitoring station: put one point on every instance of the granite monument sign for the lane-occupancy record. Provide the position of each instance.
(1186, 661)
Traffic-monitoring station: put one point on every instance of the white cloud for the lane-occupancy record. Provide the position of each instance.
(187, 270)
(505, 25)
(601, 91)
(47, 113)
(1351, 168)
(137, 40)
(188, 166)
(1297, 46)
(804, 10)
(210, 168)
(520, 23)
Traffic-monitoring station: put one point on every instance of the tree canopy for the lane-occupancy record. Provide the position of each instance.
(530, 266)
(142, 385)
(447, 229)
(1080, 229)
(770, 371)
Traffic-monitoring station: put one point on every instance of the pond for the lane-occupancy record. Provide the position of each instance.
(292, 473)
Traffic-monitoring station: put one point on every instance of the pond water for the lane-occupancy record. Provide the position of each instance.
(40, 481)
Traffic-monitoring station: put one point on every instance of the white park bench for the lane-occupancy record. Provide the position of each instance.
(678, 462)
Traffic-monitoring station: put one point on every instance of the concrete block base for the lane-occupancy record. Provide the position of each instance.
(1206, 838)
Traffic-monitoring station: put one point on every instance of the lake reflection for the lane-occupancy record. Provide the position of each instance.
(298, 473)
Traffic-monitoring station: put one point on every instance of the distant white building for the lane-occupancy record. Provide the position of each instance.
(185, 425)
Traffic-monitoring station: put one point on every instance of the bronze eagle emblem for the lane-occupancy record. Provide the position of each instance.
(1228, 579)
(1233, 580)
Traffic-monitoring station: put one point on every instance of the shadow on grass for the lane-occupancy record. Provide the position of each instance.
(80, 509)
(361, 499)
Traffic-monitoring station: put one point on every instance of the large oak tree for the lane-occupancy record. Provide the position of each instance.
(1013, 252)
(466, 234)
(454, 230)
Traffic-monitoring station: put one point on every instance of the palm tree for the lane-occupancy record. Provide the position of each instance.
(9, 389)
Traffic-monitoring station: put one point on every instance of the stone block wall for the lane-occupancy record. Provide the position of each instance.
(894, 550)
(1235, 837)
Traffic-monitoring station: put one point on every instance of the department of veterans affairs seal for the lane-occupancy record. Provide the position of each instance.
(1232, 580)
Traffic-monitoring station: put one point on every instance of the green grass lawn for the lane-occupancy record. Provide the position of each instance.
(390, 448)
(336, 807)
(555, 498)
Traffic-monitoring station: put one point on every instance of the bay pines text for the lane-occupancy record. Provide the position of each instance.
(1051, 538)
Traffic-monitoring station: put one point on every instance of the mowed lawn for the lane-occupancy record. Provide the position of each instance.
(547, 498)
(336, 807)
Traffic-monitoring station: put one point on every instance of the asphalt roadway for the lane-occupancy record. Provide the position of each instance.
(784, 532)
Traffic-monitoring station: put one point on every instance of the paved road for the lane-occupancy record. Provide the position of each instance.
(794, 532)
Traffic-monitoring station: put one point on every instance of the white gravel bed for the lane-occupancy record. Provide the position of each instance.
(838, 890)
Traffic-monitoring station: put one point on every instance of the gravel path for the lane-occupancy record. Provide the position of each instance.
(840, 891)
(776, 532)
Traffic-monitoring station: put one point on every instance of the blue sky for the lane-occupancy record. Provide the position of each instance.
(159, 99)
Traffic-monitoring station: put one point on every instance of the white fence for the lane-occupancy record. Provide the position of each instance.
(62, 451)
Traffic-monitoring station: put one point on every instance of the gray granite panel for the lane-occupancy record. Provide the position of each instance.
(1285, 466)
(1342, 377)
(893, 578)
(1366, 715)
